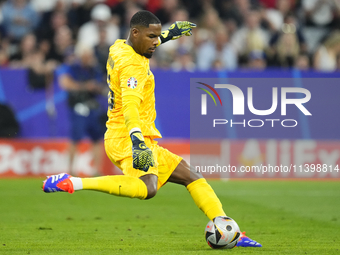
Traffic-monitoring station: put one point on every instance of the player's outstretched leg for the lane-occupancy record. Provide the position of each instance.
(119, 185)
(204, 196)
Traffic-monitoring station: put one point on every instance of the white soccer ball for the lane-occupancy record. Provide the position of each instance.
(223, 233)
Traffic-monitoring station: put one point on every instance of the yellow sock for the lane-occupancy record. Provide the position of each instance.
(205, 198)
(119, 185)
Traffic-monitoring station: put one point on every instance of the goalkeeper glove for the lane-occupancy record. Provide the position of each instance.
(141, 154)
(177, 30)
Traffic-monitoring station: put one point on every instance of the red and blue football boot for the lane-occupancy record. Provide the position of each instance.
(245, 241)
(58, 182)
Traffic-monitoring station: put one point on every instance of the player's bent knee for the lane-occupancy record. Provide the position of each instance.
(150, 181)
(151, 193)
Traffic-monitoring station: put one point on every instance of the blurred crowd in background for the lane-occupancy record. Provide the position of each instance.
(230, 34)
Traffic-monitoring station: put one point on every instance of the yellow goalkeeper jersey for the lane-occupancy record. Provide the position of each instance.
(128, 73)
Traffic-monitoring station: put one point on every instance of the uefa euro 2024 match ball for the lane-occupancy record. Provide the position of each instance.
(223, 233)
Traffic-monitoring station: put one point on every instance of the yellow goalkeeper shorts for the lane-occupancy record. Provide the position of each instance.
(119, 151)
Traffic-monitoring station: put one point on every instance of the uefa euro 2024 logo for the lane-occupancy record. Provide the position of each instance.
(239, 105)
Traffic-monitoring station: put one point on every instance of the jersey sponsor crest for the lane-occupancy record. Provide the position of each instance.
(132, 82)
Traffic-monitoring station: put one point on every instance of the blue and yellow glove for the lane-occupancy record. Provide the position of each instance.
(141, 154)
(177, 30)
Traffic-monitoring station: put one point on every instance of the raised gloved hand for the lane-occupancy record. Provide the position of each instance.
(141, 154)
(177, 30)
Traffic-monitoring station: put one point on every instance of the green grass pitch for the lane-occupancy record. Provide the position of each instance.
(288, 217)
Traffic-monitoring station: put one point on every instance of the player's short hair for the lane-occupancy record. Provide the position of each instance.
(143, 18)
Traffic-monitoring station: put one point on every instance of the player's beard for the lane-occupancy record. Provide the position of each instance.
(147, 55)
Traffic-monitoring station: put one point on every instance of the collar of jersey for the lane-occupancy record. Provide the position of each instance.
(122, 41)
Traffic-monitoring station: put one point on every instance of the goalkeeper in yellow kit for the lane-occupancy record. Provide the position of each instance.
(129, 139)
